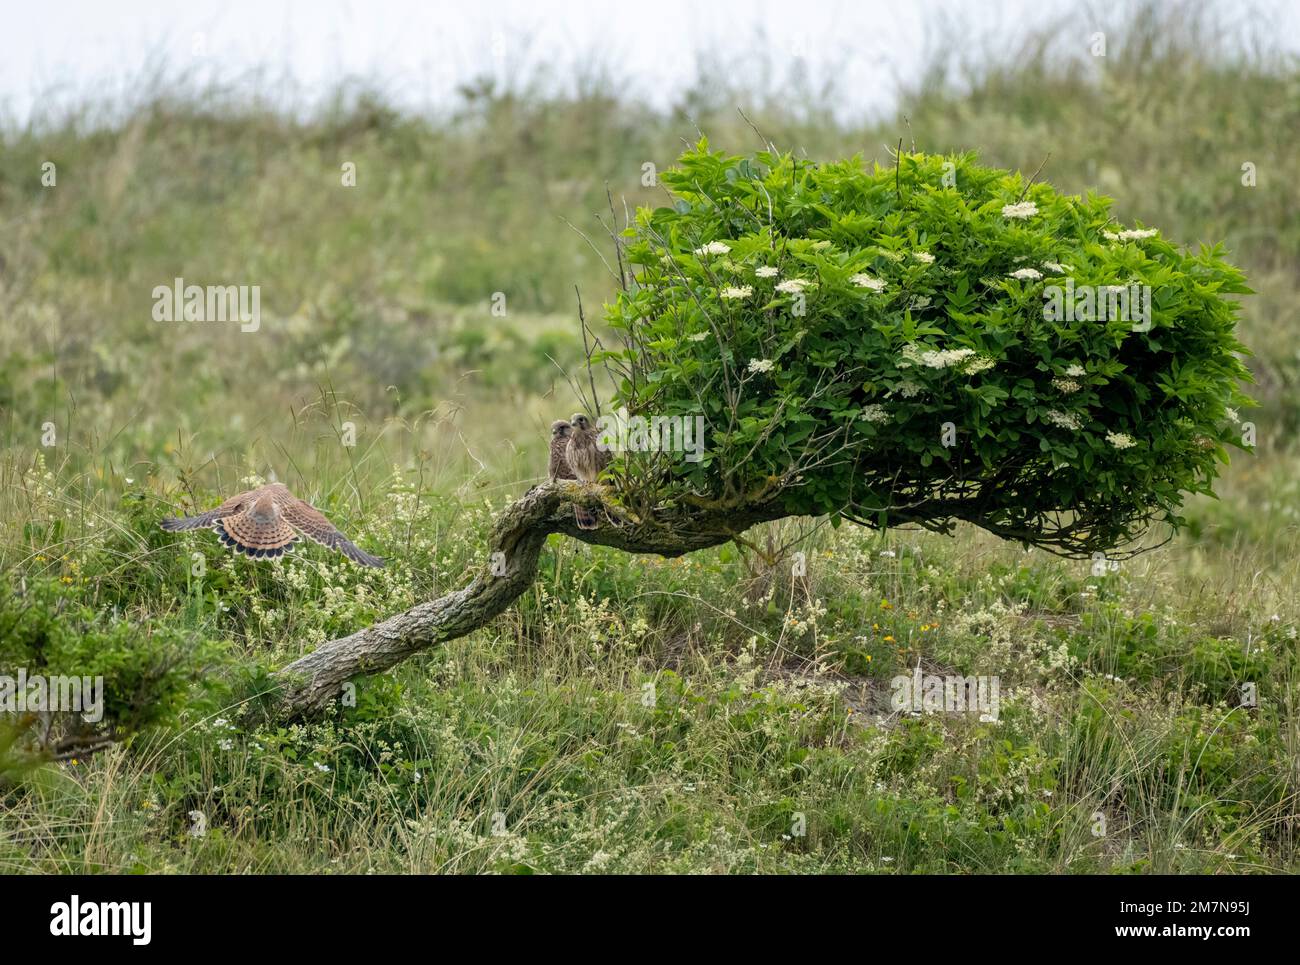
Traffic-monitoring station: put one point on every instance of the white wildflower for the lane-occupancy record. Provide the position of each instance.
(761, 365)
(1075, 370)
(1066, 385)
(793, 286)
(1024, 209)
(766, 271)
(323, 768)
(1232, 415)
(924, 257)
(697, 337)
(874, 413)
(1065, 420)
(1029, 274)
(863, 280)
(1120, 440)
(735, 292)
(1057, 267)
(713, 248)
(945, 359)
(981, 364)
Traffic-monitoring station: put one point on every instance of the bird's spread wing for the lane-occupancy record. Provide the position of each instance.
(312, 523)
(203, 520)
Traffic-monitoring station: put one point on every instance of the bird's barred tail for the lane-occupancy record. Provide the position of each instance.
(586, 518)
(261, 541)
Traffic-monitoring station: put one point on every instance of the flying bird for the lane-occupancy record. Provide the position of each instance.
(558, 468)
(586, 460)
(264, 523)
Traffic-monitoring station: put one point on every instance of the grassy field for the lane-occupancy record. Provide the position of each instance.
(709, 714)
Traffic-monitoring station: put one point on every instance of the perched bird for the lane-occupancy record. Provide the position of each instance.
(586, 460)
(264, 523)
(558, 467)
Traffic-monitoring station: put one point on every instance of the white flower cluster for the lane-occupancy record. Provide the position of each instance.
(1057, 267)
(1065, 385)
(761, 365)
(935, 359)
(1028, 274)
(1065, 420)
(874, 413)
(697, 337)
(1132, 234)
(863, 280)
(981, 364)
(733, 292)
(1024, 209)
(713, 248)
(908, 389)
(1075, 370)
(924, 257)
(1120, 440)
(766, 271)
(793, 286)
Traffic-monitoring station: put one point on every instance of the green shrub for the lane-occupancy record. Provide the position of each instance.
(150, 675)
(879, 345)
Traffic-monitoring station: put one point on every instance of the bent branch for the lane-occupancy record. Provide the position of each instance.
(312, 682)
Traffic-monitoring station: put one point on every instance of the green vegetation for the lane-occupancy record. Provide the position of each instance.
(830, 321)
(711, 714)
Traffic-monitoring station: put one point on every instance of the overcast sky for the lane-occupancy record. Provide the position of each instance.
(58, 52)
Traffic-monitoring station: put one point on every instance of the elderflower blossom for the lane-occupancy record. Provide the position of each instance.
(1075, 370)
(793, 286)
(1130, 234)
(766, 271)
(1065, 420)
(874, 413)
(937, 359)
(697, 337)
(1024, 209)
(924, 257)
(1057, 267)
(1066, 385)
(761, 365)
(908, 389)
(1029, 274)
(1120, 440)
(981, 364)
(863, 280)
(733, 291)
(713, 248)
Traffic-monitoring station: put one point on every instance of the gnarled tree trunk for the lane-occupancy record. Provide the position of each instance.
(315, 680)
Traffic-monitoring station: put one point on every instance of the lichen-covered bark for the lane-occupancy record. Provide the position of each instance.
(314, 681)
